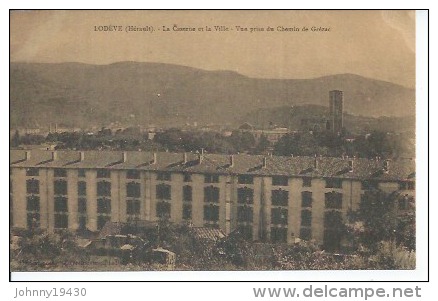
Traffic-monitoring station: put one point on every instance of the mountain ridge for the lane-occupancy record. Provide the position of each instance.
(141, 92)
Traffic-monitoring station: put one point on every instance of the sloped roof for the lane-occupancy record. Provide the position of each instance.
(208, 233)
(111, 228)
(297, 166)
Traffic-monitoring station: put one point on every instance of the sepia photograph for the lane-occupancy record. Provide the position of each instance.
(212, 140)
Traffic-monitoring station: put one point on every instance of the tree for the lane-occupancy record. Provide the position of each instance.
(301, 144)
(378, 219)
(262, 145)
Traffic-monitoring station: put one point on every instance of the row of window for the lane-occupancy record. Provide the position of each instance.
(166, 176)
(332, 219)
(242, 179)
(245, 195)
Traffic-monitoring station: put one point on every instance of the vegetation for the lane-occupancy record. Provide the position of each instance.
(376, 144)
(325, 143)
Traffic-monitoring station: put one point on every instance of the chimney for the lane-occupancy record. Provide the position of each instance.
(350, 165)
(265, 162)
(154, 160)
(124, 157)
(231, 161)
(185, 158)
(315, 163)
(81, 156)
(27, 155)
(54, 156)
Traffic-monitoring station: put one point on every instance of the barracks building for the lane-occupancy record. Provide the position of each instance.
(271, 198)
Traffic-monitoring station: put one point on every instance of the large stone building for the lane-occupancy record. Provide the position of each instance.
(267, 198)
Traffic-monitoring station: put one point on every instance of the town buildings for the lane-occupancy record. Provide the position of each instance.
(269, 198)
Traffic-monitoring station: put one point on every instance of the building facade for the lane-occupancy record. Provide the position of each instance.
(270, 198)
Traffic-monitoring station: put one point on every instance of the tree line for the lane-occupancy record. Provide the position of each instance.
(325, 143)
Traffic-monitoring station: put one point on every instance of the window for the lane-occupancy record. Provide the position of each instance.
(306, 199)
(211, 194)
(187, 177)
(33, 208)
(245, 179)
(245, 231)
(307, 182)
(163, 192)
(306, 218)
(280, 181)
(187, 211)
(61, 221)
(245, 195)
(81, 173)
(133, 190)
(333, 200)
(103, 173)
(82, 222)
(32, 186)
(33, 220)
(32, 172)
(33, 203)
(164, 176)
(306, 233)
(133, 174)
(82, 188)
(103, 188)
(211, 178)
(133, 207)
(103, 206)
(278, 234)
(280, 197)
(369, 185)
(244, 214)
(60, 173)
(332, 240)
(82, 205)
(102, 220)
(60, 187)
(61, 204)
(211, 213)
(187, 193)
(333, 219)
(163, 209)
(279, 216)
(333, 183)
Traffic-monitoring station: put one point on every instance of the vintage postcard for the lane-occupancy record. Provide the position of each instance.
(160, 140)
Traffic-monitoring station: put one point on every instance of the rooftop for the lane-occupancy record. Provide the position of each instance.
(299, 166)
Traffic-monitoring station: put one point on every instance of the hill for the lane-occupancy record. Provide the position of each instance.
(139, 93)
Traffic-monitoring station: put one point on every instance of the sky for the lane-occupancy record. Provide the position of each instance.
(374, 44)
